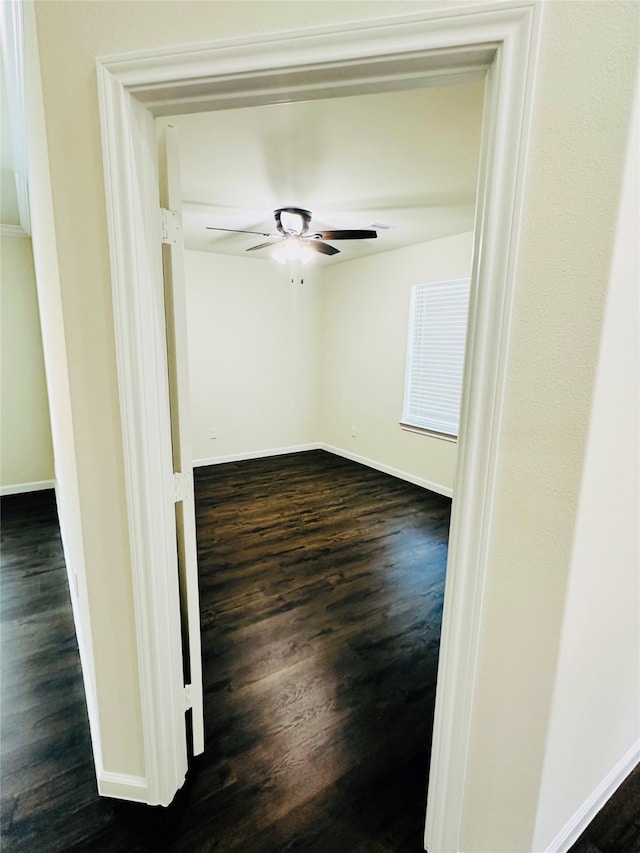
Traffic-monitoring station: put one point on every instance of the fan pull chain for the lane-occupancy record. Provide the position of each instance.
(295, 271)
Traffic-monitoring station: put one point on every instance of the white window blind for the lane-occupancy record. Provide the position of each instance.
(435, 355)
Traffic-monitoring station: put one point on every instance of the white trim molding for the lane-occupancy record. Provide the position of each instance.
(581, 819)
(388, 469)
(255, 454)
(502, 169)
(122, 786)
(13, 65)
(131, 178)
(15, 231)
(450, 44)
(328, 448)
(23, 488)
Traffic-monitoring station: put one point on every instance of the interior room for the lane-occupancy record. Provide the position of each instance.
(321, 518)
(276, 364)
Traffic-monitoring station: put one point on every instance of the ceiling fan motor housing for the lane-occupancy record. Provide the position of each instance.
(293, 230)
(296, 220)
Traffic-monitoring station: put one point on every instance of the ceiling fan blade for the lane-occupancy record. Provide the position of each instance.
(323, 248)
(240, 231)
(261, 246)
(347, 234)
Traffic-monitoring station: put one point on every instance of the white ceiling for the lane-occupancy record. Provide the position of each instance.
(407, 160)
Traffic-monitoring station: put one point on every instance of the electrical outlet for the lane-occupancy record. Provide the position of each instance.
(354, 432)
(213, 432)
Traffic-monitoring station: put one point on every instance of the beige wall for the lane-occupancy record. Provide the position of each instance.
(365, 313)
(99, 582)
(599, 662)
(26, 456)
(275, 365)
(581, 112)
(580, 116)
(253, 362)
(71, 34)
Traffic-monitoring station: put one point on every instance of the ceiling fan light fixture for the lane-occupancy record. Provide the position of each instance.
(292, 249)
(296, 244)
(279, 254)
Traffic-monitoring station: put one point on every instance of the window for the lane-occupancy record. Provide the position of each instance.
(435, 356)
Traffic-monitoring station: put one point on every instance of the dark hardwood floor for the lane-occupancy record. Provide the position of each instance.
(616, 828)
(321, 593)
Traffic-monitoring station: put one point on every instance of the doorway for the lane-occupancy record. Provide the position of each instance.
(266, 356)
(278, 366)
(370, 59)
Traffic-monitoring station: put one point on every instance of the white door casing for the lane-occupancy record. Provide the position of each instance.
(180, 406)
(455, 43)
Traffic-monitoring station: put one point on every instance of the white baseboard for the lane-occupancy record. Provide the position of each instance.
(21, 488)
(300, 448)
(387, 469)
(255, 454)
(581, 819)
(122, 786)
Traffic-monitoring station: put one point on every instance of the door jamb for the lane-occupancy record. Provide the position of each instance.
(453, 44)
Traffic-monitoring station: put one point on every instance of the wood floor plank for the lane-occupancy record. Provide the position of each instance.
(322, 587)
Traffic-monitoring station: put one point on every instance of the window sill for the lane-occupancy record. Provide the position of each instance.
(429, 432)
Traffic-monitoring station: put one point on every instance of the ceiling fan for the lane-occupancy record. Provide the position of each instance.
(294, 240)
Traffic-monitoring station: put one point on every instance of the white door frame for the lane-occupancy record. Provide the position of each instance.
(455, 43)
